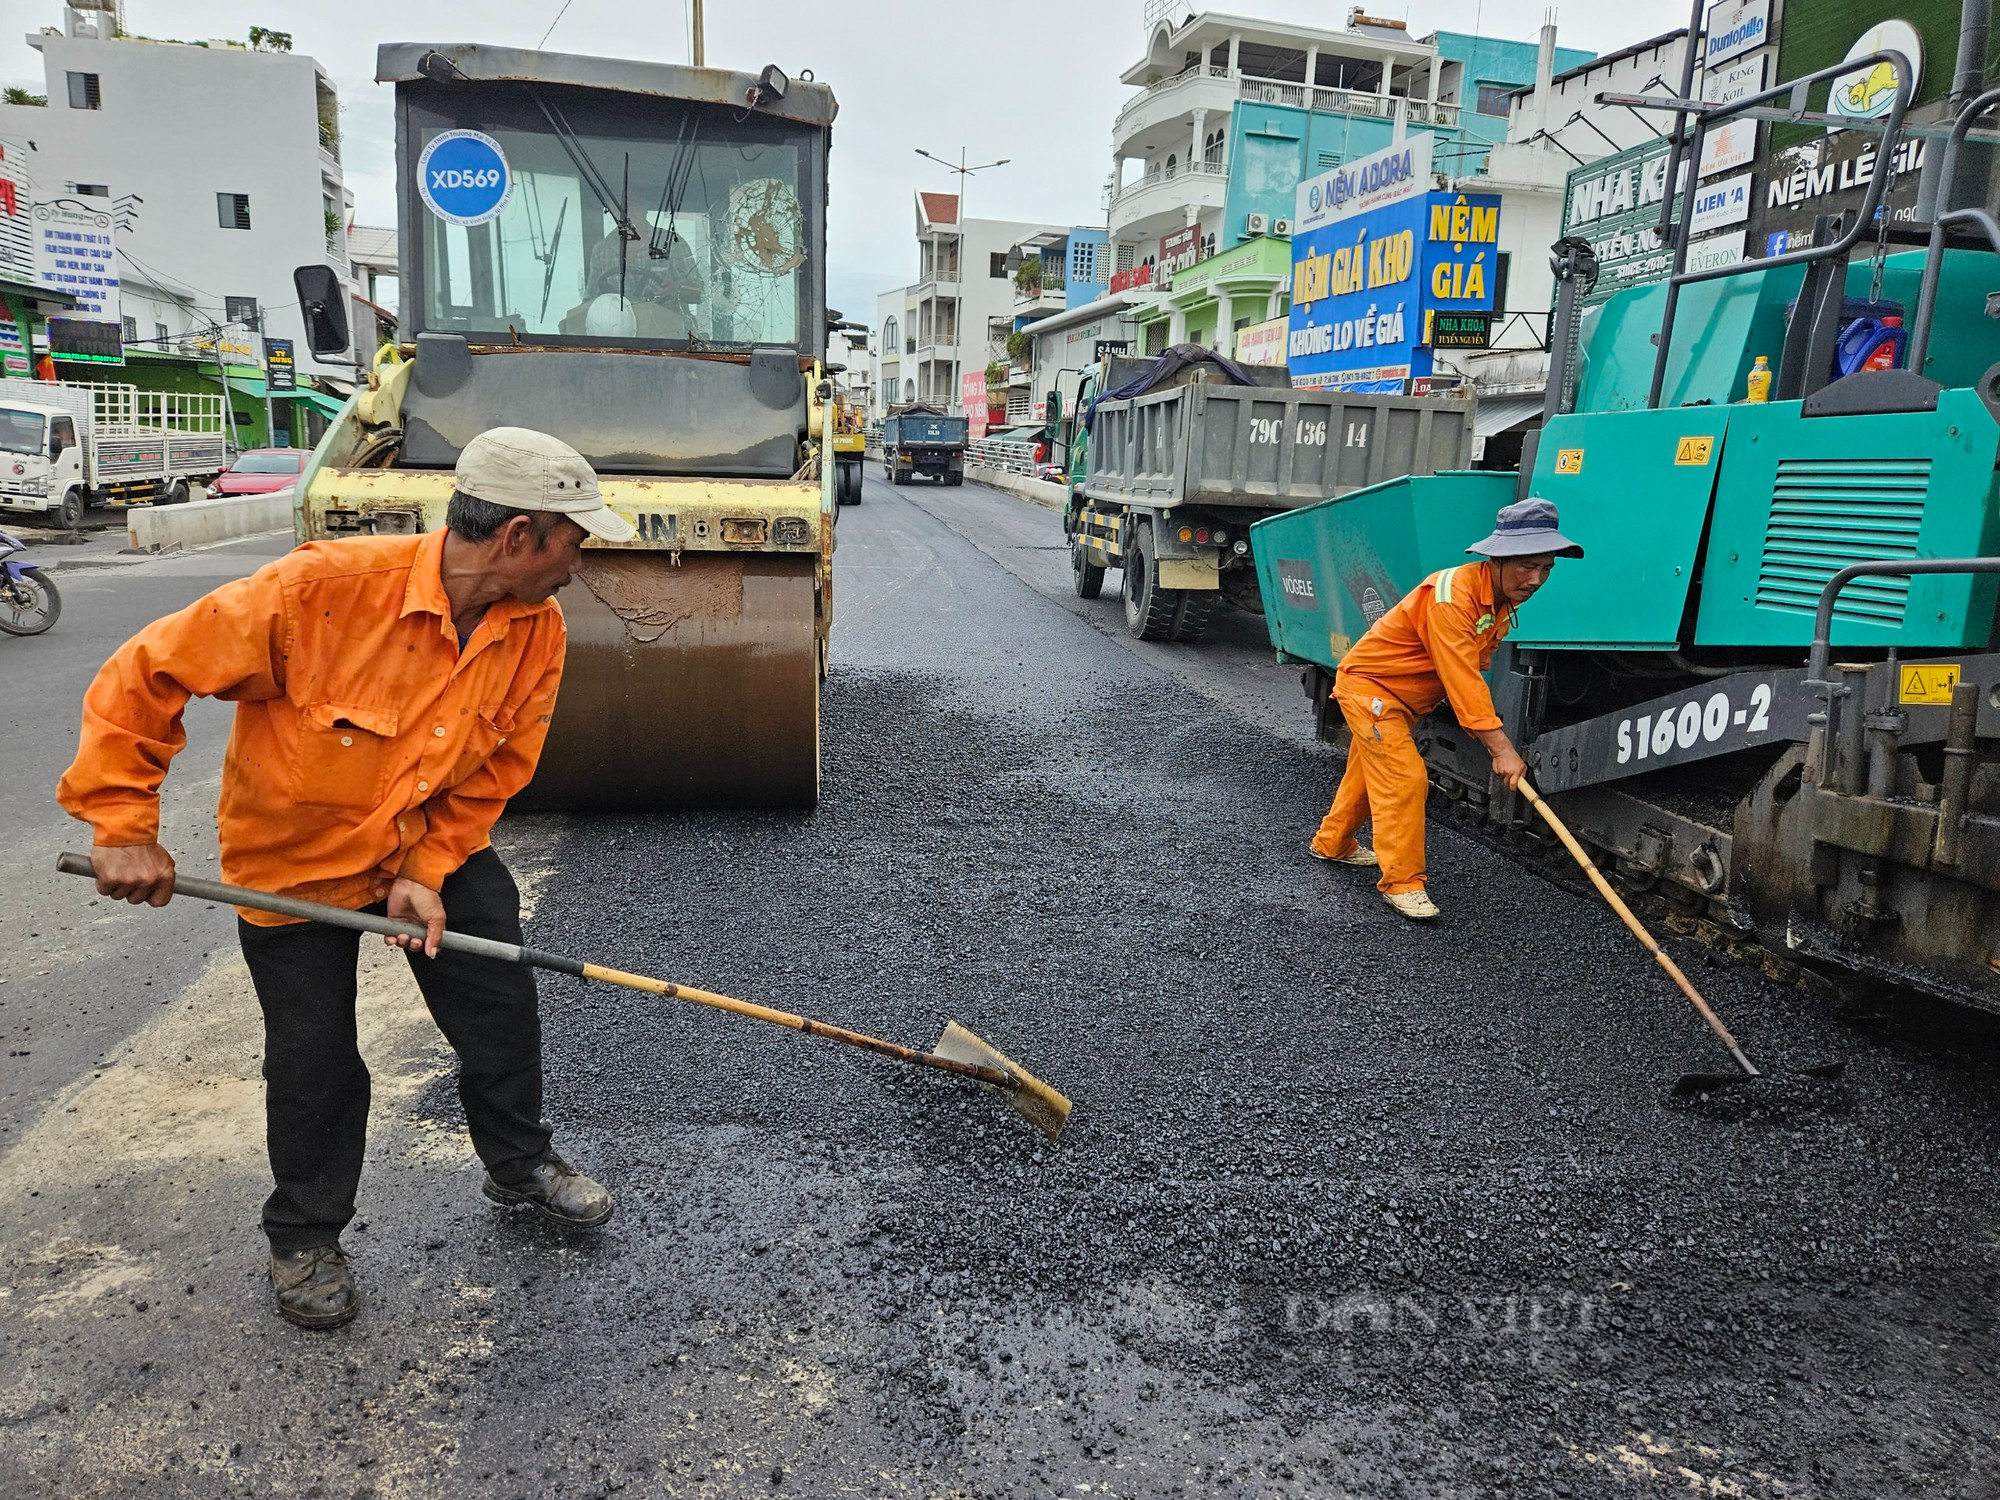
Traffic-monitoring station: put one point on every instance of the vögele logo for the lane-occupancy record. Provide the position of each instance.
(463, 177)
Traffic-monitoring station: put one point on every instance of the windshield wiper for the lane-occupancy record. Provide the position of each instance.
(586, 168)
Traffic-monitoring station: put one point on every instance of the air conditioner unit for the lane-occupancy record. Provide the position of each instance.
(1259, 224)
(1282, 228)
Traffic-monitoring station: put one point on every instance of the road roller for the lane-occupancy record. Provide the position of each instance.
(629, 256)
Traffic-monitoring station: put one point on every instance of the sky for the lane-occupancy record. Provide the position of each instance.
(1039, 88)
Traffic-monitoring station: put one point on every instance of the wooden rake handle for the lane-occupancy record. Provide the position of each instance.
(1660, 955)
(540, 958)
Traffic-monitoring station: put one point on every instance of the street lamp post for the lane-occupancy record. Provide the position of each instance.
(963, 172)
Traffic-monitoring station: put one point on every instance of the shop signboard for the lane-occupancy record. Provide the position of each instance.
(1389, 176)
(86, 341)
(1734, 27)
(1614, 204)
(13, 339)
(1735, 80)
(1720, 203)
(972, 402)
(280, 368)
(1730, 145)
(1262, 343)
(1124, 281)
(1868, 92)
(73, 254)
(1460, 330)
(1718, 251)
(1829, 175)
(1364, 286)
(1178, 250)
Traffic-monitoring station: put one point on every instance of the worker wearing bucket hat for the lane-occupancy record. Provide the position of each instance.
(391, 692)
(1431, 648)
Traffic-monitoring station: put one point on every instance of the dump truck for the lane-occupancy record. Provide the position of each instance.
(631, 257)
(919, 439)
(64, 447)
(1770, 692)
(1166, 484)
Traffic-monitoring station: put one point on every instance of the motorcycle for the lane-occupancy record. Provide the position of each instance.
(29, 602)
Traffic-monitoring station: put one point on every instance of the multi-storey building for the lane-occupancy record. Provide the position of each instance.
(191, 177)
(953, 320)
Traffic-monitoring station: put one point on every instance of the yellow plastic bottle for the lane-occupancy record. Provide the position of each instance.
(1760, 380)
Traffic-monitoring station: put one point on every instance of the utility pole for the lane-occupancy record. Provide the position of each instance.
(694, 22)
(964, 240)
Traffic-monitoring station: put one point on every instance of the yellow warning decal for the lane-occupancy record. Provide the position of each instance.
(1693, 451)
(1569, 460)
(1930, 683)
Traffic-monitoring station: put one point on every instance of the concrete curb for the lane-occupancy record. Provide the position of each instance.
(153, 527)
(1040, 491)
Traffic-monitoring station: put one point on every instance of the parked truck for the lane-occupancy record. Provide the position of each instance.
(65, 447)
(921, 439)
(1166, 484)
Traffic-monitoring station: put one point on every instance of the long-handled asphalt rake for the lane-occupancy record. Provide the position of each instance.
(1688, 1084)
(957, 1050)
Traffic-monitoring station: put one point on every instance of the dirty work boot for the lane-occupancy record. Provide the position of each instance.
(314, 1287)
(1360, 855)
(558, 1192)
(1416, 905)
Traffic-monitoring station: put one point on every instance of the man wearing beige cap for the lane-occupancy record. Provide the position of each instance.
(391, 694)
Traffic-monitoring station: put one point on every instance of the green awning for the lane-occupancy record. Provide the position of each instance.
(327, 406)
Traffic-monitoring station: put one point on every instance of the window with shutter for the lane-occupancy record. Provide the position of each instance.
(232, 210)
(84, 92)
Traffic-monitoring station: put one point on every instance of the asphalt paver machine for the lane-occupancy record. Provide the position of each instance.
(631, 257)
(1771, 691)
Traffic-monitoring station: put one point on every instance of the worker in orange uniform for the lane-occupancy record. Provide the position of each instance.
(391, 694)
(1434, 645)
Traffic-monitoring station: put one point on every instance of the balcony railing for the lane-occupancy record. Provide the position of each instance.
(1332, 101)
(329, 139)
(1201, 169)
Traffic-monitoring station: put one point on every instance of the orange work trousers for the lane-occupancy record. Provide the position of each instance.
(1385, 779)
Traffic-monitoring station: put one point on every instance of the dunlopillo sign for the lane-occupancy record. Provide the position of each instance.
(1736, 26)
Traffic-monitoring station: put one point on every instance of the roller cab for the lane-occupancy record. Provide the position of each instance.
(630, 257)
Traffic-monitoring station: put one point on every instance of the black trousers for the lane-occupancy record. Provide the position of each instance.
(316, 1087)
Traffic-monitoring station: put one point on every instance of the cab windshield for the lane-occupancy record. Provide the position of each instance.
(20, 431)
(673, 222)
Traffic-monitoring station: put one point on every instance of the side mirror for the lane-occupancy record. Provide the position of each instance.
(323, 306)
(55, 447)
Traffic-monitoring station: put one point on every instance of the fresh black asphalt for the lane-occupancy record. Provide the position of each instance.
(1346, 1207)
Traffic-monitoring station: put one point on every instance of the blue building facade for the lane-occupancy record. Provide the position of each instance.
(1275, 147)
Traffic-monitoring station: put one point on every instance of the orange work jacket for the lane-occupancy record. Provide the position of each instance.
(367, 745)
(1433, 645)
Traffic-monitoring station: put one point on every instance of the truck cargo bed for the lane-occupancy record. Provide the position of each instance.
(1201, 444)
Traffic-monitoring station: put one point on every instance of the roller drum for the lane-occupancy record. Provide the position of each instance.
(694, 685)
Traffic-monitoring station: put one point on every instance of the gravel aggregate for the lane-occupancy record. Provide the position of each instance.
(1345, 1204)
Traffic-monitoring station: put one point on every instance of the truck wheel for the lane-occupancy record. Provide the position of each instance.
(1151, 612)
(1196, 607)
(1087, 575)
(955, 479)
(69, 512)
(854, 484)
(177, 493)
